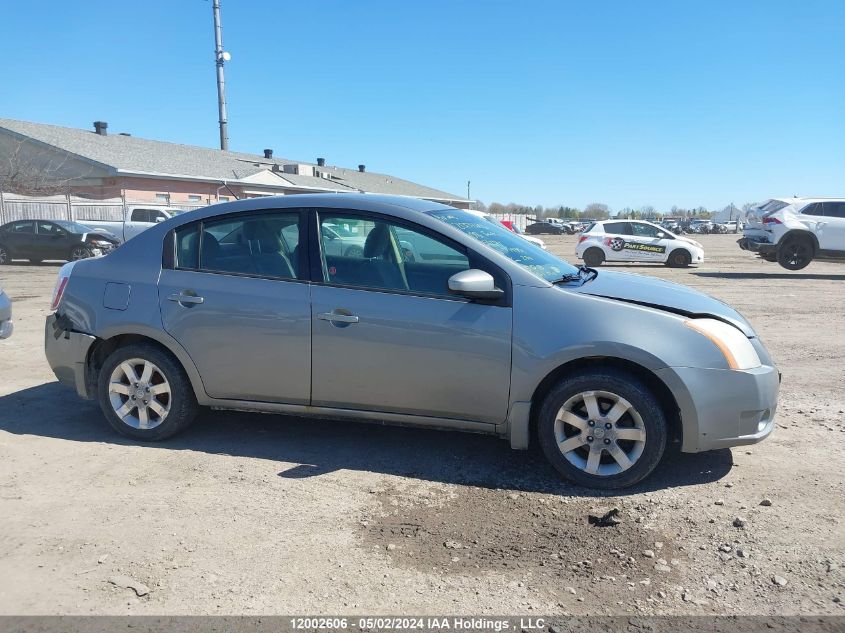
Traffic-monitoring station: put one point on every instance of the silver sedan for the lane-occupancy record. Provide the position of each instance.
(6, 325)
(437, 319)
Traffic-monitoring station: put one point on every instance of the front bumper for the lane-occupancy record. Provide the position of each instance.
(66, 353)
(6, 328)
(722, 408)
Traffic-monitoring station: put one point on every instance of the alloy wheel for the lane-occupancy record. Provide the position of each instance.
(600, 433)
(139, 393)
(79, 253)
(797, 253)
(4, 256)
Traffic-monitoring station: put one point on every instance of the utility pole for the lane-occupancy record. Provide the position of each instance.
(468, 189)
(221, 57)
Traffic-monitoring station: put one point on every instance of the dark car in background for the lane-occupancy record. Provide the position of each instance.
(37, 240)
(543, 227)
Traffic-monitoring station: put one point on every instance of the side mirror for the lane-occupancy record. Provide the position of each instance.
(474, 284)
(661, 235)
(160, 218)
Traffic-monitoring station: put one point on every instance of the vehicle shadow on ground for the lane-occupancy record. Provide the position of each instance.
(322, 446)
(26, 263)
(735, 275)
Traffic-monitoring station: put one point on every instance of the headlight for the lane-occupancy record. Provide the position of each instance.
(734, 345)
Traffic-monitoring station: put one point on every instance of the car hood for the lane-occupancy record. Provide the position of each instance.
(104, 235)
(663, 295)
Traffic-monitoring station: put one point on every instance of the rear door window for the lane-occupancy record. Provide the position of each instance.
(618, 228)
(263, 245)
(813, 209)
(834, 209)
(23, 227)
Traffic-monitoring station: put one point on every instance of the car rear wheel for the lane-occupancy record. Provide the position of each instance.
(679, 258)
(79, 252)
(144, 393)
(602, 429)
(5, 257)
(795, 253)
(593, 257)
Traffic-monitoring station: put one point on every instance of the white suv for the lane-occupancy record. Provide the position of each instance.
(795, 231)
(636, 241)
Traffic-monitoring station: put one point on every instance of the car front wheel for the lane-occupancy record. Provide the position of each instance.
(5, 258)
(602, 429)
(79, 252)
(144, 393)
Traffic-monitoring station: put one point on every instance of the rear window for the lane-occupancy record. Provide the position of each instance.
(617, 228)
(773, 205)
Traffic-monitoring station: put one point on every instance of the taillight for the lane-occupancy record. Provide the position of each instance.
(61, 284)
(583, 238)
(771, 220)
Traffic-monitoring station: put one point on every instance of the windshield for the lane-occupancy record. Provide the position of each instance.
(73, 227)
(494, 235)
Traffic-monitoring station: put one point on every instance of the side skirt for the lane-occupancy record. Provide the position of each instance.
(376, 417)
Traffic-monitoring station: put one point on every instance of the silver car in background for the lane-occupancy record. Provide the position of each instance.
(6, 325)
(440, 319)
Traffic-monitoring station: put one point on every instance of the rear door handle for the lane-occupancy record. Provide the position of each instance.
(337, 317)
(185, 298)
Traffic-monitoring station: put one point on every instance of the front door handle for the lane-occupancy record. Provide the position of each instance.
(185, 298)
(337, 317)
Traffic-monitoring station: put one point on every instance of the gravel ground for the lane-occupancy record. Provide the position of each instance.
(257, 514)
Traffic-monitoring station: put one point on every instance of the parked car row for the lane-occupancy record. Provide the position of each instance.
(795, 231)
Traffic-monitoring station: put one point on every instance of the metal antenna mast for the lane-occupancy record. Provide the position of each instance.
(221, 57)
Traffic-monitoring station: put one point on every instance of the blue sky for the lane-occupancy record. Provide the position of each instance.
(547, 102)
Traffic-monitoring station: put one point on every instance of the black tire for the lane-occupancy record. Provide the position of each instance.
(679, 258)
(593, 257)
(78, 252)
(623, 384)
(795, 252)
(5, 254)
(769, 257)
(183, 404)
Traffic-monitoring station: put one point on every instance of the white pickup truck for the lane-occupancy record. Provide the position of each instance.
(137, 218)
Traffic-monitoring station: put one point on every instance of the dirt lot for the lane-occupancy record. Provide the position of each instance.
(265, 514)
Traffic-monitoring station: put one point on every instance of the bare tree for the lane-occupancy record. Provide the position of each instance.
(27, 171)
(597, 210)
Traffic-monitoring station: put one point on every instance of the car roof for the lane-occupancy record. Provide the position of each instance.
(415, 210)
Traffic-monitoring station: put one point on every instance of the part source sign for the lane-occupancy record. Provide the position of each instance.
(618, 244)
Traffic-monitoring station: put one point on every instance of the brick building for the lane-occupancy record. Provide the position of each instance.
(100, 166)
